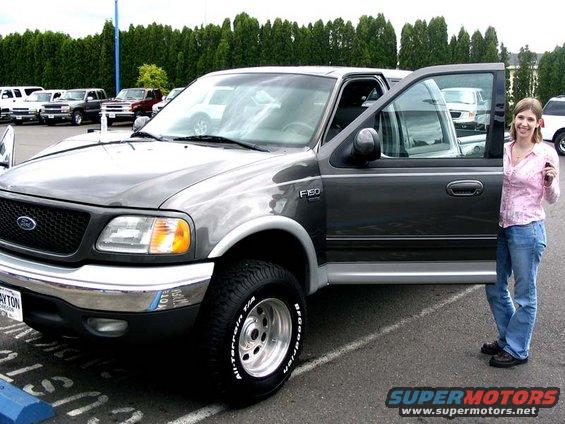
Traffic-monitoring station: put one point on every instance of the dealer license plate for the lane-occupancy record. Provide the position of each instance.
(19, 118)
(111, 115)
(11, 304)
(50, 116)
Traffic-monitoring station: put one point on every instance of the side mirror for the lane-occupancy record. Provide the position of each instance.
(366, 145)
(89, 98)
(140, 122)
(7, 145)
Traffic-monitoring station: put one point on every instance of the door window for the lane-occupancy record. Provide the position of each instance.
(356, 97)
(440, 117)
(92, 94)
(7, 94)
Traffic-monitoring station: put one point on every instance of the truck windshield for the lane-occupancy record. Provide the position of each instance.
(73, 95)
(263, 109)
(38, 97)
(131, 94)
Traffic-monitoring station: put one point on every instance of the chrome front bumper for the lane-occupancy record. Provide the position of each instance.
(111, 288)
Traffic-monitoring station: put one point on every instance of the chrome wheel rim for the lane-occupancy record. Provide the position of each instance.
(201, 127)
(562, 144)
(78, 118)
(265, 337)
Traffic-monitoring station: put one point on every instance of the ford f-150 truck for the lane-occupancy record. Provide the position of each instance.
(302, 183)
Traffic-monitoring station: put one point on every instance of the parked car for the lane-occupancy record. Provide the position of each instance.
(554, 123)
(223, 233)
(172, 94)
(75, 106)
(131, 103)
(468, 107)
(29, 109)
(9, 95)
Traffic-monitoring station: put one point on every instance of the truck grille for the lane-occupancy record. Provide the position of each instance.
(109, 107)
(20, 111)
(57, 230)
(53, 108)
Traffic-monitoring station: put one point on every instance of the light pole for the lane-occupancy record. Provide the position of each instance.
(117, 46)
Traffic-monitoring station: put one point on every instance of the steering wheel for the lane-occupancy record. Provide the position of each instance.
(300, 127)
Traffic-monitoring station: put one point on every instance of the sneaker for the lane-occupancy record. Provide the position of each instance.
(505, 360)
(491, 348)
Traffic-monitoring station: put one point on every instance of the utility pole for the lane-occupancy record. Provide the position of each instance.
(117, 46)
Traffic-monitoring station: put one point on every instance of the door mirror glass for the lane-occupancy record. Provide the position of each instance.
(7, 144)
(366, 145)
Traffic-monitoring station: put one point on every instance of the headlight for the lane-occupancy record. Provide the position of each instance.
(65, 108)
(143, 234)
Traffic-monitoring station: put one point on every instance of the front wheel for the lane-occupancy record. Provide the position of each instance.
(77, 117)
(251, 330)
(560, 144)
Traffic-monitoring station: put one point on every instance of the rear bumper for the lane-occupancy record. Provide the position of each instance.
(113, 289)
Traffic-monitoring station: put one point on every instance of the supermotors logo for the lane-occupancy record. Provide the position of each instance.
(451, 402)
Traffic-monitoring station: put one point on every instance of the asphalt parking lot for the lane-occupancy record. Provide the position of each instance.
(361, 342)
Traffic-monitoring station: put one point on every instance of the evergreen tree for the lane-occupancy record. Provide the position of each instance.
(524, 82)
(245, 41)
(490, 53)
(439, 49)
(406, 54)
(477, 47)
(319, 45)
(421, 44)
(461, 53)
(452, 48)
(105, 78)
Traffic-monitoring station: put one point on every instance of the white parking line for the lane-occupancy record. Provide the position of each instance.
(216, 408)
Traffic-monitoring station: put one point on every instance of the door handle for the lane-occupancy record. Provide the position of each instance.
(465, 188)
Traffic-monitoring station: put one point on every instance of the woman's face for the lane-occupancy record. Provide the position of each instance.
(525, 124)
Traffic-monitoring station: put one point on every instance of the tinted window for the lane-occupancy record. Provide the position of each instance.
(554, 108)
(17, 92)
(7, 94)
(28, 91)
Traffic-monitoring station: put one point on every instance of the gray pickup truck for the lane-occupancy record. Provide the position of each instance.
(313, 176)
(75, 106)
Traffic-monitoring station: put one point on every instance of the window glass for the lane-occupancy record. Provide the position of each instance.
(17, 92)
(92, 94)
(554, 108)
(7, 94)
(28, 91)
(441, 117)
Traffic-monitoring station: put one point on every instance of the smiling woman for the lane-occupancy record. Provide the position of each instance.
(530, 175)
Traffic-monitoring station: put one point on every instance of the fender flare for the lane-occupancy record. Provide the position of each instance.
(273, 223)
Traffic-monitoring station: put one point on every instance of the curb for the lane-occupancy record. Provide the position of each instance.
(19, 407)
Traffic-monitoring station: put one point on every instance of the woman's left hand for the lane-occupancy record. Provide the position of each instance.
(549, 173)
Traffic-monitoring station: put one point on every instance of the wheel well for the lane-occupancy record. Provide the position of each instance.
(276, 246)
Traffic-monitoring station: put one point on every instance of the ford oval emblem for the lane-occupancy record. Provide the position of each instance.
(26, 223)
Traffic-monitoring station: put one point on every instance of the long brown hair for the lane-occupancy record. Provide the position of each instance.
(534, 105)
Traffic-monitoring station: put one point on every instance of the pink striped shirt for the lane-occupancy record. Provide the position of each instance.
(523, 186)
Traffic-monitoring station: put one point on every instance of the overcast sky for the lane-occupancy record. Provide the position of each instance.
(536, 23)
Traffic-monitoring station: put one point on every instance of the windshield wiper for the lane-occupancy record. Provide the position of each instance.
(145, 134)
(217, 138)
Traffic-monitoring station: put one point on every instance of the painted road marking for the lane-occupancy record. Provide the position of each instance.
(216, 408)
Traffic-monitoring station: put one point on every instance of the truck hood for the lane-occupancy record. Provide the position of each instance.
(135, 174)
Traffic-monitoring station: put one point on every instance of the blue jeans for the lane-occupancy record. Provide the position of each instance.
(519, 252)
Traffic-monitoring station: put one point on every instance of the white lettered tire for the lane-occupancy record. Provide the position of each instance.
(251, 330)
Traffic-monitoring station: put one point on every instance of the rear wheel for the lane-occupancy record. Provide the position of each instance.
(560, 144)
(251, 330)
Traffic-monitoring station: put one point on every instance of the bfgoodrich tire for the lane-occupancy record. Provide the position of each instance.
(251, 330)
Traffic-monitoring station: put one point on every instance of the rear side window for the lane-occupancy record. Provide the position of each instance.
(554, 108)
(101, 94)
(28, 91)
(17, 92)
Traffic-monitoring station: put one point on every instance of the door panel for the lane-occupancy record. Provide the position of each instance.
(434, 195)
